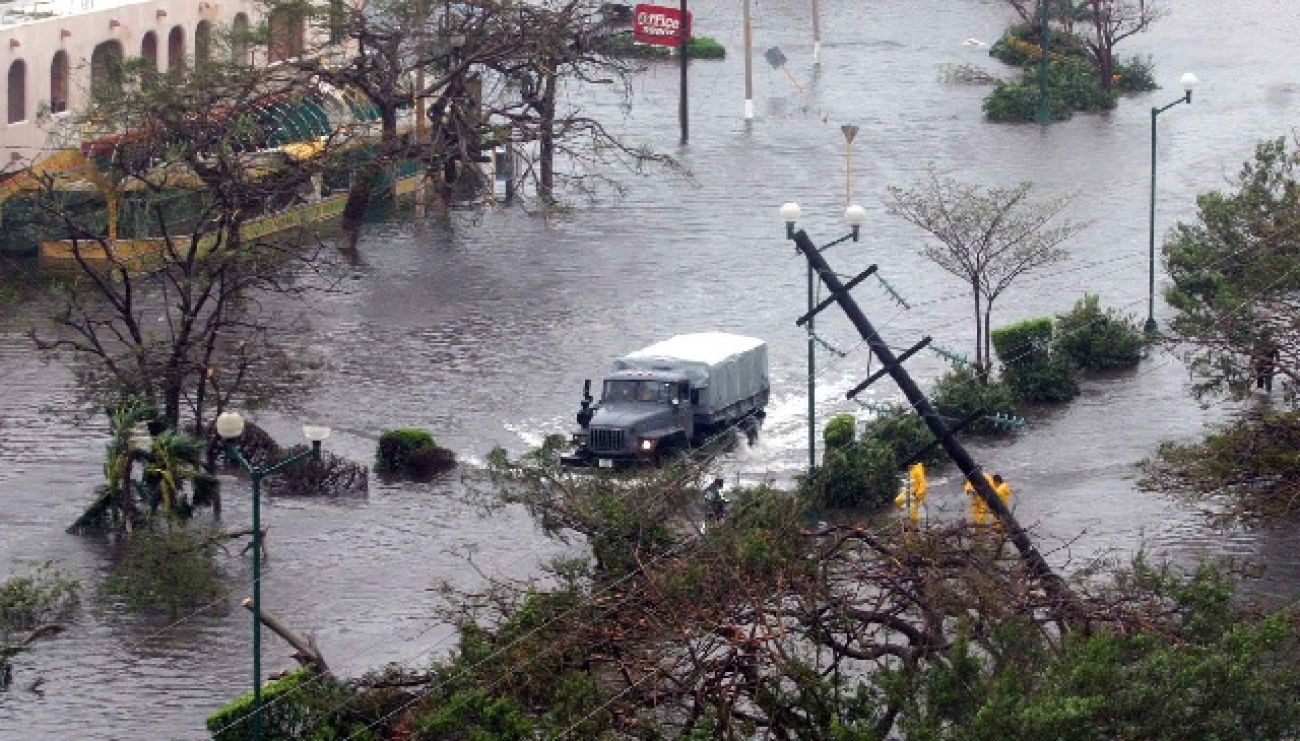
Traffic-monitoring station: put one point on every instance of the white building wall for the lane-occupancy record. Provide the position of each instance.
(78, 32)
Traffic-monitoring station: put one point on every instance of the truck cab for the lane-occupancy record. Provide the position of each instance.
(642, 416)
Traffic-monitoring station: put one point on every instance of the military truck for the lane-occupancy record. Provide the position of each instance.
(665, 399)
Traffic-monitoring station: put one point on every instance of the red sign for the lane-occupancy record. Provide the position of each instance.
(660, 25)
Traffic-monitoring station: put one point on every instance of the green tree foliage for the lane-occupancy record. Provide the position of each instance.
(1236, 276)
(1030, 368)
(1094, 339)
(855, 472)
(961, 392)
(1216, 673)
(760, 624)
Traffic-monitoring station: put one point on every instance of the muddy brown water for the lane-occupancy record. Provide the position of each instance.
(482, 331)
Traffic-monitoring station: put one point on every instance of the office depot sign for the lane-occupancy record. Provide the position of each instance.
(659, 25)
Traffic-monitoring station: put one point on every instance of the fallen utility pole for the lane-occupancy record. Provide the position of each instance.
(1053, 584)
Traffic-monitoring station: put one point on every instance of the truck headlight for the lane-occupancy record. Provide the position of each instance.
(647, 444)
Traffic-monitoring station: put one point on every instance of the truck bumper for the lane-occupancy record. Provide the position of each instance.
(583, 458)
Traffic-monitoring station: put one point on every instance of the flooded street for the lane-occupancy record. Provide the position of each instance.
(483, 329)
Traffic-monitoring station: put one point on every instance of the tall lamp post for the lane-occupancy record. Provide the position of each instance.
(230, 426)
(1188, 81)
(855, 215)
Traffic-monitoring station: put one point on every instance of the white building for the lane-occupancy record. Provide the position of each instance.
(53, 52)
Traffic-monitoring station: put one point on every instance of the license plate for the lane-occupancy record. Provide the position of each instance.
(605, 463)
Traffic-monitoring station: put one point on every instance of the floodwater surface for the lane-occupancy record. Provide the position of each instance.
(483, 329)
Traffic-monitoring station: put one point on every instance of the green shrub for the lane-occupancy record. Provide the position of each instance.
(623, 45)
(26, 601)
(1019, 46)
(1024, 343)
(1136, 75)
(1003, 50)
(1070, 87)
(299, 705)
(858, 473)
(960, 392)
(904, 433)
(862, 475)
(166, 568)
(1051, 380)
(705, 47)
(841, 431)
(1098, 340)
(1030, 369)
(413, 451)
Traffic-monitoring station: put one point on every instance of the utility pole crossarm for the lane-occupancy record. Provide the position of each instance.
(1052, 583)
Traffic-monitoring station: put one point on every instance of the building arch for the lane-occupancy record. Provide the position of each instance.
(284, 34)
(202, 43)
(239, 39)
(149, 49)
(176, 54)
(59, 82)
(17, 87)
(106, 68)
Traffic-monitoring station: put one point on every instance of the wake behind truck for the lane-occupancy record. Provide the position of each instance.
(670, 397)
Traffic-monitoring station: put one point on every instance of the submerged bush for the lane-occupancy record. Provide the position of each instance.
(1029, 367)
(168, 568)
(27, 601)
(1098, 340)
(1251, 464)
(411, 450)
(859, 473)
(1136, 75)
(1070, 87)
(705, 47)
(961, 392)
(905, 434)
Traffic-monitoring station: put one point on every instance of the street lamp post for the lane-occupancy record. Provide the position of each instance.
(855, 216)
(1188, 81)
(230, 426)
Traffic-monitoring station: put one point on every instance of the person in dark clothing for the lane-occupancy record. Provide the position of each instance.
(1266, 357)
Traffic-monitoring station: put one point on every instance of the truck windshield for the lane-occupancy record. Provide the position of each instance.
(644, 391)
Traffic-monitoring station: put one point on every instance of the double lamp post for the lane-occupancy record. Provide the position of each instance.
(855, 216)
(230, 425)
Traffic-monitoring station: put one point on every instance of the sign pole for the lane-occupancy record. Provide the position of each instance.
(749, 66)
(681, 50)
(817, 33)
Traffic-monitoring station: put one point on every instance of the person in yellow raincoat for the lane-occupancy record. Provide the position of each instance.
(913, 496)
(979, 509)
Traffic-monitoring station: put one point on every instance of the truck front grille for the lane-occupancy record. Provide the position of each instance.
(604, 439)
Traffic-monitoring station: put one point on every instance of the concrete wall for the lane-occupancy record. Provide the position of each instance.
(37, 41)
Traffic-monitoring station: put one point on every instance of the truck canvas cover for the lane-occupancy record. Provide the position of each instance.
(725, 368)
